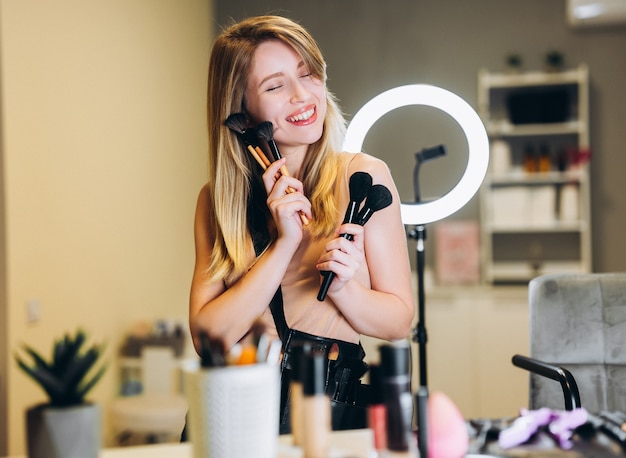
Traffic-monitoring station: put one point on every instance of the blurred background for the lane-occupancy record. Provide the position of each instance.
(103, 154)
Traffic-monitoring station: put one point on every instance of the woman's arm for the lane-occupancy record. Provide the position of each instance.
(386, 309)
(228, 313)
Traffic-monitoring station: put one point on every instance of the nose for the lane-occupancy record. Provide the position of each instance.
(300, 93)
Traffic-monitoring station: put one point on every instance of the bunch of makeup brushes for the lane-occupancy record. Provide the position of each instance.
(261, 349)
(374, 197)
(238, 123)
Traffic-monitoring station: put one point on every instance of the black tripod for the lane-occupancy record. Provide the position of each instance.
(420, 335)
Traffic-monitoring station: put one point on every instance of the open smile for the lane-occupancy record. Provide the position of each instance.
(303, 116)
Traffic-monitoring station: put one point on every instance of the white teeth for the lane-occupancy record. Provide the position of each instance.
(302, 116)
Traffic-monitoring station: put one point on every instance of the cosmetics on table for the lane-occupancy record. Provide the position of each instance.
(377, 411)
(396, 382)
(232, 395)
(316, 419)
(299, 350)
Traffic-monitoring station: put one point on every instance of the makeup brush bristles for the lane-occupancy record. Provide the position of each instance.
(359, 185)
(237, 122)
(265, 131)
(378, 197)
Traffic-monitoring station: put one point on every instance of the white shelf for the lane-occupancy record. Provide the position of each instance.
(538, 221)
(535, 78)
(504, 128)
(525, 179)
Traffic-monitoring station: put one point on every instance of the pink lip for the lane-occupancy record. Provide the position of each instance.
(304, 122)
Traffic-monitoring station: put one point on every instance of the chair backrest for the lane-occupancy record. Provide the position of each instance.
(578, 322)
(158, 370)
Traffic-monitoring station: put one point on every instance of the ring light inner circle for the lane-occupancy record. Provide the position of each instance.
(461, 112)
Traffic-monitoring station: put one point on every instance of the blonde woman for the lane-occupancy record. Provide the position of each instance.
(252, 248)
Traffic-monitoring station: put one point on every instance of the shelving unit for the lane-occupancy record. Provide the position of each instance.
(535, 215)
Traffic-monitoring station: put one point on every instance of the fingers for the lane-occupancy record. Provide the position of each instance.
(272, 176)
(278, 188)
(344, 256)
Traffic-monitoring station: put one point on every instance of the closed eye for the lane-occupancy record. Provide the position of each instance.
(273, 88)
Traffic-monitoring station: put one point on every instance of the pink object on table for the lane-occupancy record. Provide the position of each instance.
(447, 431)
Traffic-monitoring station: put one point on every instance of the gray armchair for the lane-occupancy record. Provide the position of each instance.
(578, 323)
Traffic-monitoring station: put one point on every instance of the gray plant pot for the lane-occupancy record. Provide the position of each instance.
(63, 432)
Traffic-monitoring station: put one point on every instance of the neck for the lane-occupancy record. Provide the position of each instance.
(295, 157)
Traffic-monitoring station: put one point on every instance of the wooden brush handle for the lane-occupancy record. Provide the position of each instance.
(264, 162)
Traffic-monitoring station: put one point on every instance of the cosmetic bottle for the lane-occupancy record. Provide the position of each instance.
(396, 381)
(299, 350)
(531, 162)
(544, 159)
(316, 418)
(377, 411)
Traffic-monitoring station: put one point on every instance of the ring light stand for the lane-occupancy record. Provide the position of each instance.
(421, 213)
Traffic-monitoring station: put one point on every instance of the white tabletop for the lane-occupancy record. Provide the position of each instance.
(344, 444)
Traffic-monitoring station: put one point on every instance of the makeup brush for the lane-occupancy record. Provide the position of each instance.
(237, 122)
(360, 184)
(378, 197)
(265, 131)
(212, 353)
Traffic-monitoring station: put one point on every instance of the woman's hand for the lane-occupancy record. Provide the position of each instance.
(343, 256)
(286, 200)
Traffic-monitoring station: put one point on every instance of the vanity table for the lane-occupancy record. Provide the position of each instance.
(344, 444)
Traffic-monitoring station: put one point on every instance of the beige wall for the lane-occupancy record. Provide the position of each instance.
(104, 142)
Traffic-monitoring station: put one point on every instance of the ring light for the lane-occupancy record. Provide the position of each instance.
(461, 111)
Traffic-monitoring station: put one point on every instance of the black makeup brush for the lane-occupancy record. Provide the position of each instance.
(378, 197)
(265, 131)
(238, 123)
(212, 353)
(359, 184)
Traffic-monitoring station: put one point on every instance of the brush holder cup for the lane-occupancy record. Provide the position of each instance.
(233, 410)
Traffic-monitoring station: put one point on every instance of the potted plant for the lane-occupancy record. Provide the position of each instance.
(66, 426)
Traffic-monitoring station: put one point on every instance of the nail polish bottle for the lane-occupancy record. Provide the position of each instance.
(396, 379)
(316, 418)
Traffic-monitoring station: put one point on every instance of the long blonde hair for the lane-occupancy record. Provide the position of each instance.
(229, 167)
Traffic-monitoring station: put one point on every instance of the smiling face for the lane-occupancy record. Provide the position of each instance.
(282, 90)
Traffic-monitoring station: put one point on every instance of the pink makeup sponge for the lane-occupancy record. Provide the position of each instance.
(447, 432)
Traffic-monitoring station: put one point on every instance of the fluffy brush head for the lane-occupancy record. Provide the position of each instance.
(377, 198)
(237, 122)
(360, 183)
(265, 131)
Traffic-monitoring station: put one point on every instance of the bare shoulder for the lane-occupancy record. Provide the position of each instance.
(204, 200)
(377, 168)
(203, 210)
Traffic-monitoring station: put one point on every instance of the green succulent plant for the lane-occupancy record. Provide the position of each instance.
(68, 377)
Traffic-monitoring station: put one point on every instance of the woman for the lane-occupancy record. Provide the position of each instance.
(249, 234)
